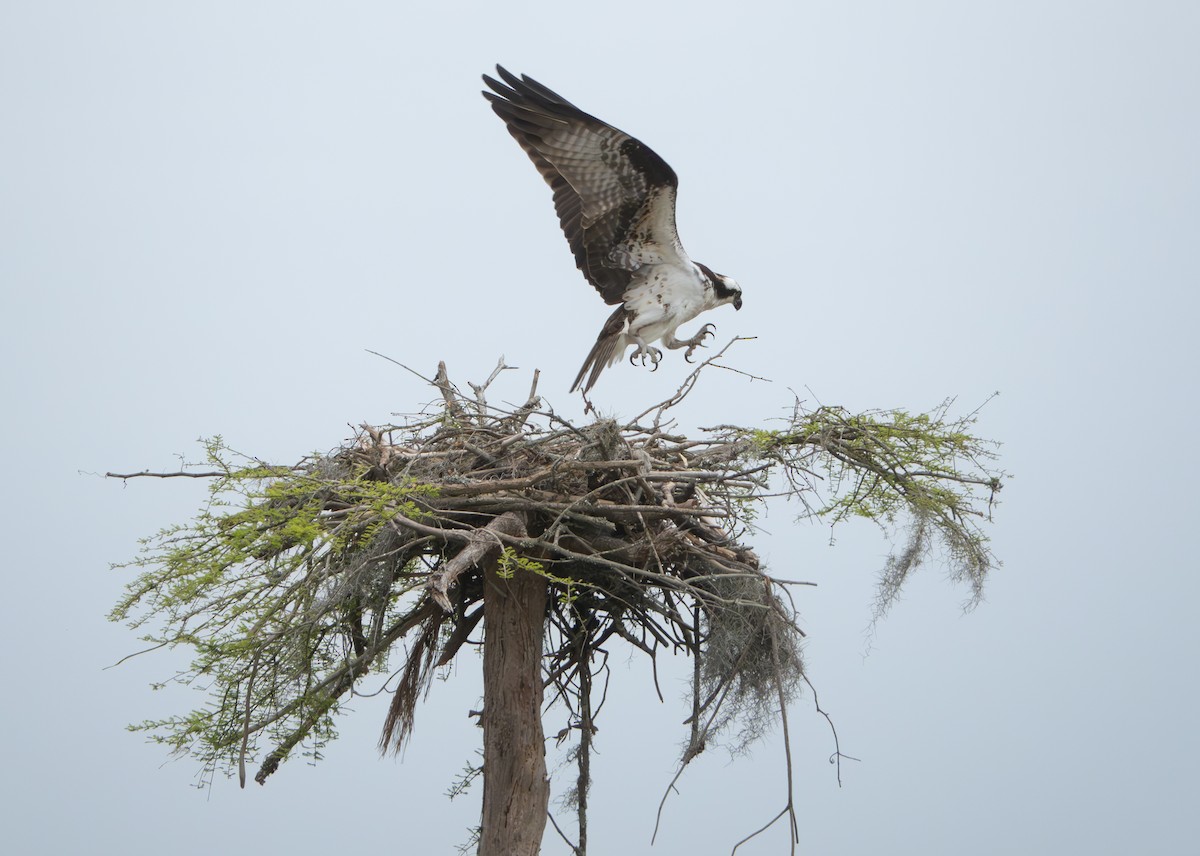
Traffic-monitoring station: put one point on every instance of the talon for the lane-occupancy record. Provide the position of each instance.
(645, 352)
(697, 341)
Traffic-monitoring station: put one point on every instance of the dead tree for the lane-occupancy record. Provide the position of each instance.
(516, 789)
(295, 584)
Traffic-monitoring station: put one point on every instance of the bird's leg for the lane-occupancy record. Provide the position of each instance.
(643, 351)
(691, 344)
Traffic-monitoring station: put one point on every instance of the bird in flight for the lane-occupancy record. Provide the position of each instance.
(615, 199)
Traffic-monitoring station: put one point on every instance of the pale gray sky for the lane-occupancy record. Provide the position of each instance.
(210, 210)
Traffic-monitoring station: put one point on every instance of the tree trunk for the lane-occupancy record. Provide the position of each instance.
(516, 791)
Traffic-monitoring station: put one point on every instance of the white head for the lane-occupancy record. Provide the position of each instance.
(727, 290)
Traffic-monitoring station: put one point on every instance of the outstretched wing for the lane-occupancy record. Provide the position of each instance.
(615, 197)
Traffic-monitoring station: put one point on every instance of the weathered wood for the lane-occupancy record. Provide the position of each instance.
(516, 790)
(482, 546)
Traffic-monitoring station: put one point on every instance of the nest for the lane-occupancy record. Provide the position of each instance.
(632, 526)
(299, 581)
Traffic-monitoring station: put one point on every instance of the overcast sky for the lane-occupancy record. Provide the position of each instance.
(210, 211)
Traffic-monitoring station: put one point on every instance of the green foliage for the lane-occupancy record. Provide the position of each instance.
(281, 589)
(509, 562)
(926, 469)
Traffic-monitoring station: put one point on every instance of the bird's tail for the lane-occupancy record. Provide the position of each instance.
(607, 350)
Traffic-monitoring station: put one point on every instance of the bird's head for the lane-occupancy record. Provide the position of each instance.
(726, 290)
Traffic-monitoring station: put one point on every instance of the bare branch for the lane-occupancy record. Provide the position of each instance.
(181, 474)
(483, 545)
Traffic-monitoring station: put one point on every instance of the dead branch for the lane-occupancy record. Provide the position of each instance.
(483, 545)
(181, 474)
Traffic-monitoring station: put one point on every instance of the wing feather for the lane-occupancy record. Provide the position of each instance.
(606, 184)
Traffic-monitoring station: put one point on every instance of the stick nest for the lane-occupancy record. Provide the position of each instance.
(296, 582)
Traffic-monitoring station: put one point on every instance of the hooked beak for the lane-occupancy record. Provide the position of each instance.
(737, 302)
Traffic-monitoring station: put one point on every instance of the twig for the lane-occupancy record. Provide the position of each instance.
(429, 381)
(176, 475)
(562, 834)
(246, 720)
(837, 748)
(688, 382)
(742, 373)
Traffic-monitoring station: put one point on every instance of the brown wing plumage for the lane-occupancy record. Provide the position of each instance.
(601, 177)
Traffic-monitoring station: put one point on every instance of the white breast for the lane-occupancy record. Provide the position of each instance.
(664, 296)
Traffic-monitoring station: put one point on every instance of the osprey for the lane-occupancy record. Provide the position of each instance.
(615, 199)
